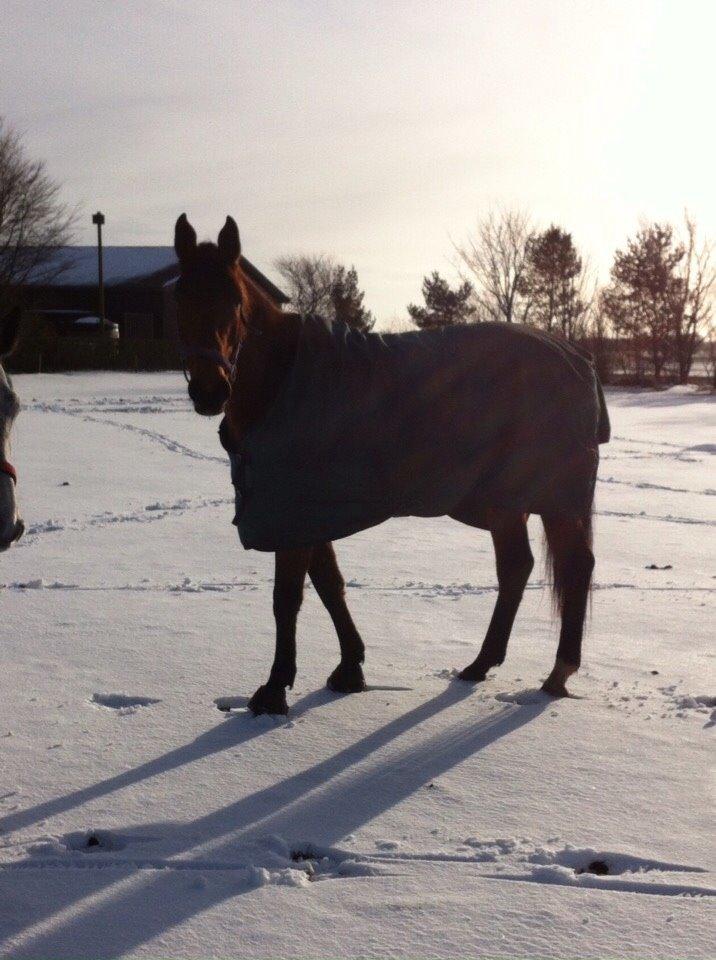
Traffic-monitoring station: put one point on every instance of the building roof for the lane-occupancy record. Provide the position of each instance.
(77, 267)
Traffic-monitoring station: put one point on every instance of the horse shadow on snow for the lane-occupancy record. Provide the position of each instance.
(324, 803)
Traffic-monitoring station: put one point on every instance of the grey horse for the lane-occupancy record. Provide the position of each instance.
(11, 526)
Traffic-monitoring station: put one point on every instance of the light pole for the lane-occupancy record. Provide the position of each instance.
(98, 219)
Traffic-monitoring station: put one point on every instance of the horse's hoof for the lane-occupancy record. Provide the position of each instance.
(268, 700)
(555, 689)
(347, 678)
(555, 684)
(473, 674)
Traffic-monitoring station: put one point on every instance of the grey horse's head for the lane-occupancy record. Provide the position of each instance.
(11, 526)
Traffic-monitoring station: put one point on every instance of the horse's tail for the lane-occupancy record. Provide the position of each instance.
(567, 538)
(604, 429)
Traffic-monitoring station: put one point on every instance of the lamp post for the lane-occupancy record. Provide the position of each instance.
(98, 219)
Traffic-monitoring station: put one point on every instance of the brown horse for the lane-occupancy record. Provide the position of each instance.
(238, 349)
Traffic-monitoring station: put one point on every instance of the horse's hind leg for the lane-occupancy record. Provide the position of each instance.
(290, 576)
(569, 545)
(330, 587)
(514, 565)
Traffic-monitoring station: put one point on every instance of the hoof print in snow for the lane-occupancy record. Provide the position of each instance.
(598, 867)
(655, 566)
(227, 704)
(530, 697)
(332, 864)
(93, 840)
(303, 855)
(121, 702)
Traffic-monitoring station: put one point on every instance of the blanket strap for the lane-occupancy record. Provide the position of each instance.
(7, 468)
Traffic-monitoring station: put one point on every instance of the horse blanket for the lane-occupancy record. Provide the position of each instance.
(426, 423)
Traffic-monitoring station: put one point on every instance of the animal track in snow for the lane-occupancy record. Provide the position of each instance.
(596, 869)
(522, 860)
(645, 485)
(642, 515)
(159, 438)
(665, 702)
(121, 702)
(148, 514)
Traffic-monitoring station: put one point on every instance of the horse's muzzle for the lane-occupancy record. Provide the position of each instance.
(18, 532)
(209, 403)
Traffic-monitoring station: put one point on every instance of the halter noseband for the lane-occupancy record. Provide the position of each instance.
(7, 468)
(215, 356)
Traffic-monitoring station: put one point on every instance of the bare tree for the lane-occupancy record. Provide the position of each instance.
(494, 257)
(596, 336)
(320, 285)
(308, 281)
(34, 223)
(694, 309)
(710, 354)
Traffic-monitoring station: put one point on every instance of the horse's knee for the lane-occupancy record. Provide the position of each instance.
(326, 576)
(287, 599)
(513, 556)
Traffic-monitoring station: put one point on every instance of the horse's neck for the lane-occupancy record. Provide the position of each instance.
(264, 363)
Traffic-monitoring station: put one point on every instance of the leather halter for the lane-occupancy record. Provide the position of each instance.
(215, 356)
(7, 468)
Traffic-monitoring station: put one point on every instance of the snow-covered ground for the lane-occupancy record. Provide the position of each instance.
(424, 818)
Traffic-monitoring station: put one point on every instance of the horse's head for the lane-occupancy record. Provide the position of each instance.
(11, 526)
(211, 328)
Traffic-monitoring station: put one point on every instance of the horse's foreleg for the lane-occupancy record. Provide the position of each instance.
(514, 564)
(569, 543)
(291, 568)
(330, 587)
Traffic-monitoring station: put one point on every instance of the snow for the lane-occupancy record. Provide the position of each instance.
(424, 818)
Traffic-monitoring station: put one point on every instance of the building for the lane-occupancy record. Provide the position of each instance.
(138, 284)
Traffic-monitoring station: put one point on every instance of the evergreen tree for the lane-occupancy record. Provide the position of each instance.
(646, 294)
(552, 282)
(444, 307)
(347, 300)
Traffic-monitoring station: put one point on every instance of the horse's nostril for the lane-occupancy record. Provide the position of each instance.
(209, 401)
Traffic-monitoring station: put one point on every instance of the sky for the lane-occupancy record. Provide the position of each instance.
(377, 132)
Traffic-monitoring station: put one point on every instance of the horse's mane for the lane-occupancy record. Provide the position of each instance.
(258, 308)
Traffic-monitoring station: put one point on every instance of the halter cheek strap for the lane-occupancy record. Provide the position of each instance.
(214, 356)
(7, 468)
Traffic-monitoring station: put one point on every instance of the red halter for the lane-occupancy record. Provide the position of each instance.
(7, 467)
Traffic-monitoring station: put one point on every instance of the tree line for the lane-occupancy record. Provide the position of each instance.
(647, 322)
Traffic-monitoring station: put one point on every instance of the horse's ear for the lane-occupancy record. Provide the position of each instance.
(229, 242)
(184, 239)
(9, 332)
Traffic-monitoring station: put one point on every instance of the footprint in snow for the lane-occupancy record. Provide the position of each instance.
(122, 702)
(524, 697)
(226, 704)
